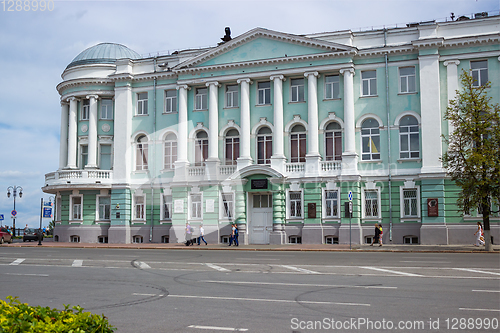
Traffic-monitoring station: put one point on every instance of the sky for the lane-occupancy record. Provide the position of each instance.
(36, 47)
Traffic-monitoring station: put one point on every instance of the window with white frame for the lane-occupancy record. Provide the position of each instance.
(371, 203)
(295, 204)
(170, 101)
(407, 80)
(370, 140)
(298, 144)
(333, 142)
(227, 207)
(104, 208)
(410, 240)
(295, 239)
(410, 202)
(167, 207)
(139, 207)
(105, 157)
(196, 207)
(263, 93)
(479, 71)
(331, 203)
(170, 149)
(264, 145)
(201, 99)
(142, 103)
(85, 109)
(332, 87)
(232, 147)
(76, 207)
(232, 96)
(297, 90)
(331, 240)
(409, 138)
(137, 239)
(141, 157)
(262, 200)
(369, 83)
(106, 109)
(84, 156)
(74, 239)
(200, 148)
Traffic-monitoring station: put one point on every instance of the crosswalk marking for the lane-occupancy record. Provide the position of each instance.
(17, 262)
(475, 271)
(298, 269)
(220, 269)
(390, 271)
(77, 263)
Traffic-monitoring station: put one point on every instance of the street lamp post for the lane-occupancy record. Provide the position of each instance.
(14, 193)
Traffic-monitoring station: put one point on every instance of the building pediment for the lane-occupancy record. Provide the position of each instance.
(262, 46)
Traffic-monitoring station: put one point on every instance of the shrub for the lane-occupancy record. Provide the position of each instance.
(20, 317)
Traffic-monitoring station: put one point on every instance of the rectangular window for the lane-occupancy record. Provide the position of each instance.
(167, 207)
(332, 87)
(264, 93)
(170, 101)
(77, 208)
(295, 204)
(104, 208)
(410, 204)
(227, 205)
(369, 83)
(196, 207)
(331, 203)
(84, 156)
(142, 103)
(333, 145)
(139, 207)
(407, 79)
(479, 71)
(232, 96)
(170, 154)
(264, 148)
(105, 162)
(85, 109)
(371, 203)
(297, 86)
(106, 109)
(201, 99)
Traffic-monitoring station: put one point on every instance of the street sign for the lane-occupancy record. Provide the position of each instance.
(1, 217)
(350, 195)
(14, 213)
(47, 204)
(47, 212)
(350, 207)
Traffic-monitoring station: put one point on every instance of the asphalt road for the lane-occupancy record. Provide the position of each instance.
(219, 291)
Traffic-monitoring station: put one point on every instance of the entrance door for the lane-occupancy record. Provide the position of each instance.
(261, 223)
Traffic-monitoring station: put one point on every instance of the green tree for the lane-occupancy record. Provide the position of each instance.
(473, 156)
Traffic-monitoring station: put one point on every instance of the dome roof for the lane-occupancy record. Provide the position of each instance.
(104, 53)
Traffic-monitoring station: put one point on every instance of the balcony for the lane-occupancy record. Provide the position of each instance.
(326, 168)
(63, 177)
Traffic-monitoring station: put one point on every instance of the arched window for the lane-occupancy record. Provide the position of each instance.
(232, 148)
(298, 144)
(264, 145)
(333, 142)
(141, 158)
(201, 148)
(170, 145)
(370, 139)
(409, 141)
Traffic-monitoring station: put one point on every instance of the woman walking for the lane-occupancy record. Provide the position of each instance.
(479, 235)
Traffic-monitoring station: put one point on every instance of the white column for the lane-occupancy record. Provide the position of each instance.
(349, 156)
(278, 158)
(312, 113)
(452, 83)
(72, 134)
(213, 120)
(63, 144)
(92, 160)
(430, 111)
(182, 148)
(245, 158)
(122, 156)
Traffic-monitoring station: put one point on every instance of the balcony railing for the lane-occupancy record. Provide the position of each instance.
(227, 169)
(331, 166)
(54, 178)
(295, 167)
(196, 171)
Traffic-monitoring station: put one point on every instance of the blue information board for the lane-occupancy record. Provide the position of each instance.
(47, 213)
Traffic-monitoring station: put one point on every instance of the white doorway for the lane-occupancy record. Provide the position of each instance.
(261, 217)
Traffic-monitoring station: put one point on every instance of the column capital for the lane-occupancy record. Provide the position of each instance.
(247, 80)
(183, 86)
(63, 103)
(278, 77)
(344, 70)
(71, 99)
(92, 96)
(215, 83)
(306, 74)
(452, 62)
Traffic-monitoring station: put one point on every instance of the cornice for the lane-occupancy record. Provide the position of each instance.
(428, 43)
(493, 38)
(389, 50)
(81, 82)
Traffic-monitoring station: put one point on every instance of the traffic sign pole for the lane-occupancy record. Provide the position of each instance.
(350, 219)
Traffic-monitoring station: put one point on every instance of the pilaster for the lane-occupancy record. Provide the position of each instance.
(63, 144)
(72, 133)
(245, 158)
(349, 156)
(452, 83)
(123, 131)
(278, 158)
(213, 119)
(92, 158)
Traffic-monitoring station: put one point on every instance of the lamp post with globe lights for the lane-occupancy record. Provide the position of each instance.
(14, 190)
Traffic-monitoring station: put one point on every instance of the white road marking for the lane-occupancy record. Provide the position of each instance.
(298, 269)
(137, 294)
(143, 265)
(217, 328)
(220, 269)
(267, 300)
(77, 263)
(17, 262)
(301, 284)
(427, 262)
(390, 271)
(486, 291)
(26, 274)
(489, 310)
(475, 271)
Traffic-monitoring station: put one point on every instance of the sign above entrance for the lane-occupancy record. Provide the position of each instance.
(258, 184)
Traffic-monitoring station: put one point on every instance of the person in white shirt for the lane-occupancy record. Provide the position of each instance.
(202, 233)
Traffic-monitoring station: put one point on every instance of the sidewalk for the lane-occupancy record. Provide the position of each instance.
(287, 247)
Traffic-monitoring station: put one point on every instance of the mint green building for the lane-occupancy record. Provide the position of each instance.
(274, 132)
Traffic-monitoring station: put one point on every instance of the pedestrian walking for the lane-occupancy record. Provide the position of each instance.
(231, 236)
(479, 235)
(201, 236)
(189, 234)
(376, 238)
(381, 234)
(235, 237)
